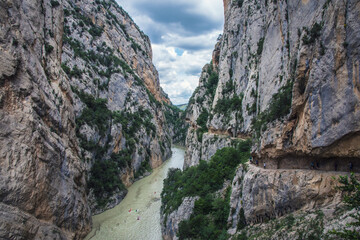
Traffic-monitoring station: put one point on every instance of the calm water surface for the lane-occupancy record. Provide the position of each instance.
(143, 199)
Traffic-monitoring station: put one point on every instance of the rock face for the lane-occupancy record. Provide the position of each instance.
(266, 194)
(287, 77)
(177, 125)
(79, 96)
(43, 180)
(106, 56)
(170, 224)
(309, 224)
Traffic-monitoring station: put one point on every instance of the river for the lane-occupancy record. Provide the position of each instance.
(143, 199)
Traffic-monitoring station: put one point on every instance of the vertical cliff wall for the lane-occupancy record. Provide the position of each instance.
(286, 76)
(81, 114)
(43, 180)
(118, 103)
(289, 78)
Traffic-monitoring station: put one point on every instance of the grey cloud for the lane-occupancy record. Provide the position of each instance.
(178, 24)
(168, 12)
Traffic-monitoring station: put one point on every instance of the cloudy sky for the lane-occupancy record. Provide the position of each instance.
(183, 34)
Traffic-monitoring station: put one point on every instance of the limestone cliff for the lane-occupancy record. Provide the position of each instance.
(266, 194)
(170, 223)
(177, 125)
(289, 76)
(287, 204)
(118, 101)
(286, 75)
(80, 105)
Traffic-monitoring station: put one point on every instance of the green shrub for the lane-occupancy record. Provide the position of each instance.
(239, 3)
(144, 167)
(132, 122)
(54, 3)
(260, 46)
(351, 188)
(312, 34)
(105, 57)
(202, 179)
(251, 109)
(210, 87)
(15, 42)
(322, 49)
(201, 122)
(209, 220)
(229, 87)
(90, 146)
(134, 45)
(153, 99)
(122, 158)
(96, 31)
(48, 48)
(66, 69)
(242, 221)
(227, 105)
(123, 28)
(66, 12)
(210, 224)
(280, 106)
(95, 113)
(76, 72)
(104, 180)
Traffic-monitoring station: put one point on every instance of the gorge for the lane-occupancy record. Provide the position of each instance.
(86, 127)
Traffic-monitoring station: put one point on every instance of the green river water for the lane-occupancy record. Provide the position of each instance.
(143, 198)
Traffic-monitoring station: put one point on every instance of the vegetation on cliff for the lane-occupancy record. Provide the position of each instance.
(210, 85)
(351, 188)
(280, 106)
(342, 223)
(175, 119)
(277, 88)
(104, 180)
(204, 96)
(104, 175)
(117, 133)
(211, 210)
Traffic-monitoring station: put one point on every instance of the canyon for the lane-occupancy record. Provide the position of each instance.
(272, 125)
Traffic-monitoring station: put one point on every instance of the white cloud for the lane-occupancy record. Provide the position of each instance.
(179, 75)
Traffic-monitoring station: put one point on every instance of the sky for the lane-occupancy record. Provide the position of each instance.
(183, 34)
